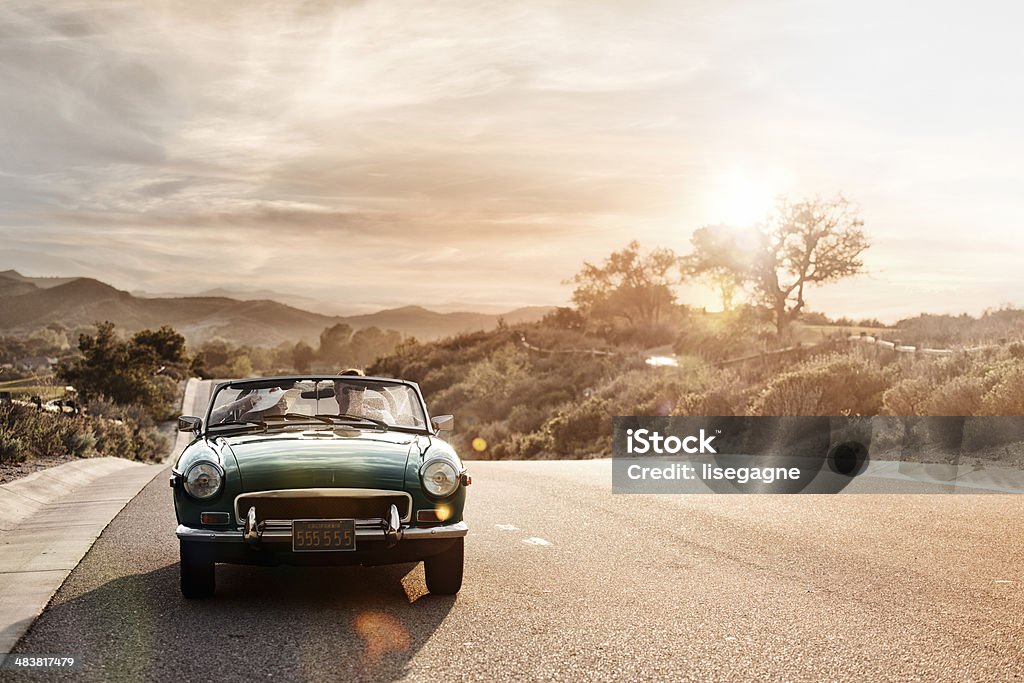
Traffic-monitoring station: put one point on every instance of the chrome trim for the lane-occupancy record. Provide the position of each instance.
(326, 493)
(393, 527)
(457, 530)
(252, 531)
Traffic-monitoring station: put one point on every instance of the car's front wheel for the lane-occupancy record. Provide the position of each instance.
(198, 579)
(444, 570)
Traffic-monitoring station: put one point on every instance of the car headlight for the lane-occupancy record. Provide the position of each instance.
(203, 480)
(439, 477)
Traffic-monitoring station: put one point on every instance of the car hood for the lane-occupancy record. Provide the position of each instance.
(321, 459)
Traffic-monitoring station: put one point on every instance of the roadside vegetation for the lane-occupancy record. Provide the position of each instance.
(123, 389)
(626, 346)
(549, 389)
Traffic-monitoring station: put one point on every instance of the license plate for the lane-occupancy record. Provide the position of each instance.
(318, 535)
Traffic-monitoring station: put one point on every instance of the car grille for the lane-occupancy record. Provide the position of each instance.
(323, 504)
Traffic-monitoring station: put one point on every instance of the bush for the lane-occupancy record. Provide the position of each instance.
(12, 449)
(78, 442)
(963, 385)
(531, 445)
(29, 433)
(527, 418)
(832, 385)
(128, 371)
(582, 430)
(1006, 395)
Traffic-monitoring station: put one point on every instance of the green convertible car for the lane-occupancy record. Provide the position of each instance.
(310, 470)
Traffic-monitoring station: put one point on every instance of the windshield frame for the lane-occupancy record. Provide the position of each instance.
(241, 383)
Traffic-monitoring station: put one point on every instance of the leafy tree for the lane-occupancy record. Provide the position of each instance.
(165, 347)
(628, 285)
(241, 366)
(125, 371)
(302, 356)
(565, 318)
(723, 256)
(334, 342)
(370, 343)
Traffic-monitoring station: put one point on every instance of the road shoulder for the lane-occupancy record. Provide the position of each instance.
(50, 519)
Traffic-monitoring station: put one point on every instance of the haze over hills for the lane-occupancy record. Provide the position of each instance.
(27, 304)
(294, 300)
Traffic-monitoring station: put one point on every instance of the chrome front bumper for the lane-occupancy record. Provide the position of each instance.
(375, 533)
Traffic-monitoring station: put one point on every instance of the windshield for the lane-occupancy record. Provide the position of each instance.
(337, 400)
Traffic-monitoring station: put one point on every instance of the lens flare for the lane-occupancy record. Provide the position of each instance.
(479, 445)
(381, 634)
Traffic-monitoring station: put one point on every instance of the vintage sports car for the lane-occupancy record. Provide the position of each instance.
(311, 470)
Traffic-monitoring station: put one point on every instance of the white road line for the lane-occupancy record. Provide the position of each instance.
(534, 540)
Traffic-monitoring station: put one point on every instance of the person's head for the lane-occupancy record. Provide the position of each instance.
(344, 391)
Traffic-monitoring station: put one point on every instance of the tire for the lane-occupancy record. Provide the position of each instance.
(198, 579)
(444, 570)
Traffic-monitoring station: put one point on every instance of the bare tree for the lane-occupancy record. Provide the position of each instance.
(800, 244)
(807, 242)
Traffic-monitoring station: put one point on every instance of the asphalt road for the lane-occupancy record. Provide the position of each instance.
(566, 581)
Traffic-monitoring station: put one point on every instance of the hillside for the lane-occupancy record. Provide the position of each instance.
(40, 282)
(433, 325)
(26, 306)
(541, 390)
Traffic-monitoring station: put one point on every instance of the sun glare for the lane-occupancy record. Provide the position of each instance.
(740, 199)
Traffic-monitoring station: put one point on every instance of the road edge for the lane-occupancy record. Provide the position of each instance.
(40, 549)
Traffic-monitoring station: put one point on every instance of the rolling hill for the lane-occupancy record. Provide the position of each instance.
(79, 302)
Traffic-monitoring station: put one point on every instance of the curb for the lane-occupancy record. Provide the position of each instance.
(23, 497)
(39, 548)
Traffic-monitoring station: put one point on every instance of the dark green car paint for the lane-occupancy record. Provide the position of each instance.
(285, 458)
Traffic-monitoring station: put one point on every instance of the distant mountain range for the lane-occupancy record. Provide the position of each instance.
(303, 302)
(28, 303)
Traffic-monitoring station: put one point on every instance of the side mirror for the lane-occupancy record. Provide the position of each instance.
(187, 423)
(443, 423)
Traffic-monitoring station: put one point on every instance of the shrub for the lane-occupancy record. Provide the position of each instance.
(12, 449)
(581, 430)
(527, 418)
(908, 397)
(832, 385)
(78, 442)
(1006, 395)
(529, 446)
(959, 396)
(28, 433)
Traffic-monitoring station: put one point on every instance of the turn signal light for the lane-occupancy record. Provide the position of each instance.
(215, 518)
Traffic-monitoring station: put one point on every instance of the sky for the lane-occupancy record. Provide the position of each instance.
(471, 155)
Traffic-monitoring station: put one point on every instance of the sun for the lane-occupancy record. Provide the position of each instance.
(740, 199)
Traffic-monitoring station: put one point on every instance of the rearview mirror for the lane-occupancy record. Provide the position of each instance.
(443, 423)
(187, 423)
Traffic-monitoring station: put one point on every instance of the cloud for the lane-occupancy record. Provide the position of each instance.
(486, 148)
